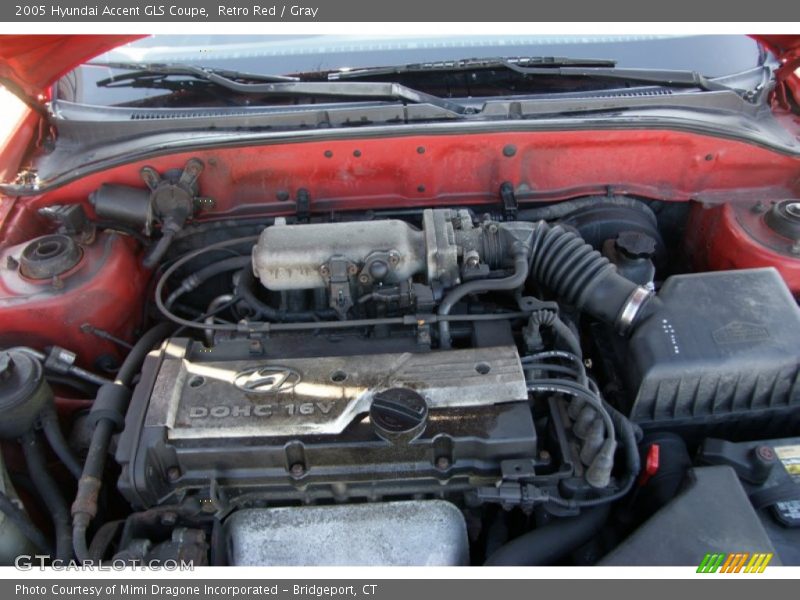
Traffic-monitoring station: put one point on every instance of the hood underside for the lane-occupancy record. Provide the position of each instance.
(30, 64)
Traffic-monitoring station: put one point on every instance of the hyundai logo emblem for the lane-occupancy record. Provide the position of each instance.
(267, 380)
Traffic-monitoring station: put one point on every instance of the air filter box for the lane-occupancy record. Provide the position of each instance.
(719, 355)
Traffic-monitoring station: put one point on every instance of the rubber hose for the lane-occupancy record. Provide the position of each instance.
(21, 521)
(549, 544)
(245, 288)
(49, 493)
(199, 277)
(564, 208)
(79, 385)
(84, 507)
(480, 286)
(158, 251)
(133, 361)
(55, 437)
(578, 274)
(568, 336)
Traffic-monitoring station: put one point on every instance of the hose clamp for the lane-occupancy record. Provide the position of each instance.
(630, 310)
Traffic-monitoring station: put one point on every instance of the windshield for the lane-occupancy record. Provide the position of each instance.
(711, 56)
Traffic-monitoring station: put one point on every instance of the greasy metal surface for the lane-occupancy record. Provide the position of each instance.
(290, 257)
(303, 396)
(429, 532)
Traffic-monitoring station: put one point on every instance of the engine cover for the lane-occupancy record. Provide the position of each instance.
(298, 427)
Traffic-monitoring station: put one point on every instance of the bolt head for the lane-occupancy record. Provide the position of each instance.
(442, 463)
(472, 259)
(765, 453)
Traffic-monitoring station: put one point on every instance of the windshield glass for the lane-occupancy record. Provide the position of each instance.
(711, 56)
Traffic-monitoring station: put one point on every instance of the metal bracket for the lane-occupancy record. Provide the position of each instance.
(510, 204)
(303, 205)
(337, 272)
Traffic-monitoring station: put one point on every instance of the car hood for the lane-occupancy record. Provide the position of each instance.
(30, 64)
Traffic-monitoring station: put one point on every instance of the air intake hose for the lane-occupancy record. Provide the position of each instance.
(573, 270)
(565, 264)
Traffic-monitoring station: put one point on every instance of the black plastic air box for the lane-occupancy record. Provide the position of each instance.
(720, 355)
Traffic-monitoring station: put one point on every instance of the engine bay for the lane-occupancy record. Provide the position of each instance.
(463, 380)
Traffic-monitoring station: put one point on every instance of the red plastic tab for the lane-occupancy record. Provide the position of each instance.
(650, 464)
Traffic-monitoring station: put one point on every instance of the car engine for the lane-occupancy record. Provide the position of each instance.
(447, 379)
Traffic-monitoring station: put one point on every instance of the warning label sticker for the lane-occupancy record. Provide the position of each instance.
(790, 457)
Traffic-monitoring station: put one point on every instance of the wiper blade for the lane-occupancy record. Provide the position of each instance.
(278, 85)
(470, 64)
(148, 75)
(551, 67)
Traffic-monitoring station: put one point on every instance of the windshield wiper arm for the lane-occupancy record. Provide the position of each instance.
(655, 76)
(553, 67)
(279, 85)
(471, 64)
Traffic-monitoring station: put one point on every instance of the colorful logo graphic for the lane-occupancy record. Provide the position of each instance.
(737, 562)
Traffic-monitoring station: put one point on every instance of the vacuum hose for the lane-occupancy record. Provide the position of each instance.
(108, 415)
(49, 493)
(511, 282)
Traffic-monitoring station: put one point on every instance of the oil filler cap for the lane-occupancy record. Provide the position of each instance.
(398, 414)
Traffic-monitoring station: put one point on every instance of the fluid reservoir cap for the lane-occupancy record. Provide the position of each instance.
(784, 218)
(398, 414)
(49, 256)
(23, 393)
(635, 244)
